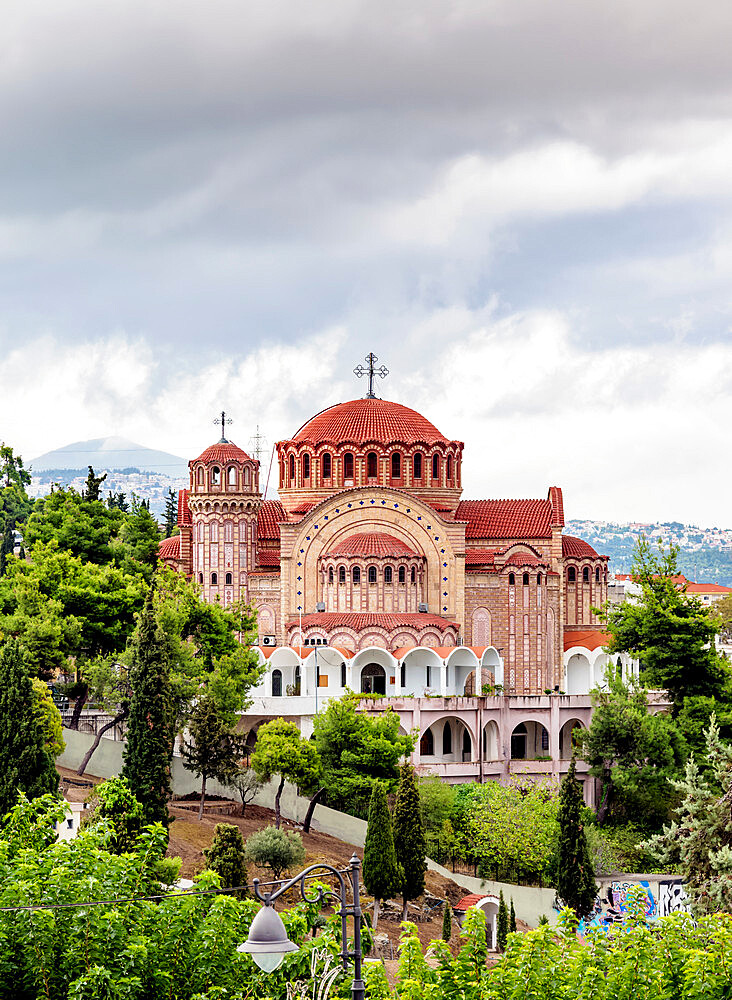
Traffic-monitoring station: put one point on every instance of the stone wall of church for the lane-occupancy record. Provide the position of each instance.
(264, 596)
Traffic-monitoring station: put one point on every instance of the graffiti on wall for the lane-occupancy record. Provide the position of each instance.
(672, 897)
(612, 908)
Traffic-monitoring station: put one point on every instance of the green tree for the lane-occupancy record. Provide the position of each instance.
(93, 484)
(575, 878)
(113, 802)
(245, 783)
(355, 750)
(25, 764)
(671, 633)
(512, 919)
(213, 749)
(409, 838)
(48, 719)
(76, 524)
(633, 753)
(382, 875)
(502, 924)
(171, 513)
(7, 544)
(437, 801)
(150, 730)
(280, 749)
(12, 469)
(276, 849)
(227, 856)
(447, 922)
(136, 551)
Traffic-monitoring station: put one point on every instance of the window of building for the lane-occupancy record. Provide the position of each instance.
(372, 465)
(396, 465)
(449, 466)
(343, 674)
(586, 574)
(388, 574)
(342, 574)
(402, 574)
(247, 475)
(306, 466)
(326, 465)
(413, 575)
(330, 575)
(538, 580)
(428, 675)
(213, 531)
(511, 580)
(276, 683)
(228, 531)
(216, 476)
(372, 574)
(214, 579)
(427, 744)
(292, 469)
(435, 466)
(597, 575)
(199, 475)
(446, 740)
(200, 577)
(403, 675)
(231, 475)
(229, 579)
(356, 574)
(526, 580)
(571, 574)
(417, 465)
(544, 739)
(348, 465)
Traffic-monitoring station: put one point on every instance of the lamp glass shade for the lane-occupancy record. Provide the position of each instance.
(267, 942)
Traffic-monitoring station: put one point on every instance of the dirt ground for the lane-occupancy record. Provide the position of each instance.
(188, 838)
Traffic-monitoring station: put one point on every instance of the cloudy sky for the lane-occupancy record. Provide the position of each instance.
(524, 208)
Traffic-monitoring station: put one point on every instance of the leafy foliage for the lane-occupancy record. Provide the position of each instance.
(212, 748)
(227, 855)
(447, 922)
(575, 881)
(48, 719)
(113, 803)
(502, 923)
(280, 749)
(382, 875)
(409, 838)
(278, 850)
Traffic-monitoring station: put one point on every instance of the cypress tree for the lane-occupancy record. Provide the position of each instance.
(575, 880)
(512, 919)
(409, 837)
(6, 548)
(150, 730)
(227, 856)
(25, 764)
(447, 922)
(502, 929)
(382, 875)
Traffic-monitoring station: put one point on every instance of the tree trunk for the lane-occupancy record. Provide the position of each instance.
(203, 796)
(606, 789)
(377, 903)
(277, 803)
(404, 908)
(78, 708)
(311, 809)
(97, 740)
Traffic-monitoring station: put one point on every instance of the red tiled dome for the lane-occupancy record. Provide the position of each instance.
(371, 543)
(223, 451)
(578, 548)
(364, 420)
(169, 548)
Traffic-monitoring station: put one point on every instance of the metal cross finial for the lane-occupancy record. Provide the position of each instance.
(360, 371)
(223, 420)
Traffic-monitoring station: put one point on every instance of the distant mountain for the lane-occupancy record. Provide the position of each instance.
(110, 453)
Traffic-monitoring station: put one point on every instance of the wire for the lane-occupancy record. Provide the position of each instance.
(158, 896)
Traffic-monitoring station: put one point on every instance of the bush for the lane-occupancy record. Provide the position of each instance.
(275, 849)
(227, 856)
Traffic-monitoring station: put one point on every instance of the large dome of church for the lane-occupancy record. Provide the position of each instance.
(362, 420)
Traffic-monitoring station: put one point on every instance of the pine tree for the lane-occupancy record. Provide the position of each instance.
(447, 922)
(575, 880)
(7, 544)
(409, 837)
(214, 749)
(92, 485)
(171, 513)
(25, 763)
(512, 919)
(150, 730)
(382, 875)
(227, 856)
(502, 929)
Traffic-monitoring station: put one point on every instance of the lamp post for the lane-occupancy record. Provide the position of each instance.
(268, 943)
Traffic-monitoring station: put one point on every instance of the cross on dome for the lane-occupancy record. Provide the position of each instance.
(223, 420)
(360, 371)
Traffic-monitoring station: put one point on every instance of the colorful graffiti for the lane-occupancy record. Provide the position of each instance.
(613, 907)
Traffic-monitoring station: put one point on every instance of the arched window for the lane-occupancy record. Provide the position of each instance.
(372, 574)
(388, 574)
(597, 575)
(511, 580)
(276, 683)
(297, 678)
(216, 476)
(402, 574)
(229, 579)
(292, 469)
(446, 740)
(213, 531)
(326, 465)
(403, 675)
(435, 466)
(228, 531)
(343, 674)
(199, 529)
(586, 574)
(306, 466)
(348, 465)
(214, 579)
(396, 465)
(356, 573)
(342, 574)
(330, 575)
(538, 579)
(526, 580)
(417, 465)
(372, 465)
(200, 577)
(449, 466)
(427, 744)
(231, 475)
(199, 475)
(571, 574)
(247, 475)
(413, 575)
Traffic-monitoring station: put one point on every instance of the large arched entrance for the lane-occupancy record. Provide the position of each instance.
(373, 679)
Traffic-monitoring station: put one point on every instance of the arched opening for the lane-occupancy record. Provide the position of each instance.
(586, 574)
(276, 683)
(396, 465)
(372, 465)
(372, 574)
(247, 475)
(296, 687)
(403, 675)
(578, 674)
(229, 579)
(216, 476)
(231, 475)
(228, 531)
(518, 742)
(525, 579)
(597, 575)
(200, 577)
(343, 674)
(490, 741)
(417, 465)
(481, 627)
(449, 466)
(538, 579)
(330, 574)
(292, 470)
(511, 580)
(214, 579)
(413, 575)
(529, 741)
(435, 466)
(402, 574)
(467, 746)
(348, 466)
(446, 740)
(199, 475)
(306, 466)
(568, 735)
(373, 679)
(342, 574)
(388, 574)
(326, 465)
(356, 573)
(427, 744)
(571, 575)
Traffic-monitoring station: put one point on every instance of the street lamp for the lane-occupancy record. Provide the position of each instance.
(268, 943)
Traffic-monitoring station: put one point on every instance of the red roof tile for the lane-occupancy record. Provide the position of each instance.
(371, 543)
(588, 638)
(557, 501)
(524, 559)
(359, 621)
(222, 451)
(479, 557)
(270, 516)
(169, 548)
(707, 588)
(184, 511)
(365, 420)
(506, 518)
(467, 901)
(268, 557)
(578, 548)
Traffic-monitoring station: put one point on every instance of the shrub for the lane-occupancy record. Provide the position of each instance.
(227, 856)
(275, 849)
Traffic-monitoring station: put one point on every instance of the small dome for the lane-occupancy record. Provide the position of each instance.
(578, 548)
(365, 420)
(376, 544)
(222, 451)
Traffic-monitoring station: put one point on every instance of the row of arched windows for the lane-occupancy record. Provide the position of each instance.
(228, 579)
(231, 475)
(397, 464)
(524, 579)
(572, 575)
(228, 531)
(372, 574)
